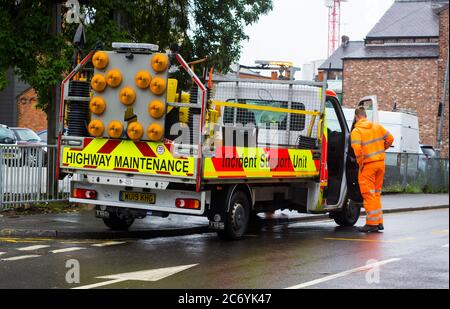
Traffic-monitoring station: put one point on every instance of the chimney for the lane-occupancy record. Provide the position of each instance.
(345, 41)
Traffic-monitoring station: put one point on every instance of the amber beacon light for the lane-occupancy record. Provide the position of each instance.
(135, 131)
(158, 86)
(100, 60)
(115, 129)
(143, 79)
(155, 132)
(156, 109)
(97, 105)
(114, 78)
(98, 83)
(160, 63)
(127, 96)
(96, 128)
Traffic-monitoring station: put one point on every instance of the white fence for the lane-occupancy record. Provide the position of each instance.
(27, 175)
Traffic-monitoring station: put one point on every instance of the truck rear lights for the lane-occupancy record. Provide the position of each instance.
(84, 194)
(187, 203)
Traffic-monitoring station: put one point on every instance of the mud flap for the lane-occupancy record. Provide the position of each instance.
(218, 209)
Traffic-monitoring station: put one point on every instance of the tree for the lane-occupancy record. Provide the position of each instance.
(202, 28)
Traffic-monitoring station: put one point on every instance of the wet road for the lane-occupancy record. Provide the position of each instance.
(412, 253)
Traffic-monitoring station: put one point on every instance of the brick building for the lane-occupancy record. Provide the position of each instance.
(402, 60)
(18, 106)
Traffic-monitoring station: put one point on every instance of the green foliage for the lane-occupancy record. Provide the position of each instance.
(413, 189)
(200, 27)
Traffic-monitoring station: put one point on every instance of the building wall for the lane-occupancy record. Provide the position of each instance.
(7, 101)
(410, 83)
(443, 54)
(28, 116)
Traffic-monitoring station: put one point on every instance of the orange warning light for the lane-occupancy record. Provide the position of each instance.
(96, 128)
(97, 105)
(127, 96)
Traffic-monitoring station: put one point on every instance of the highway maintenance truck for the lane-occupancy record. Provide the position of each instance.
(134, 144)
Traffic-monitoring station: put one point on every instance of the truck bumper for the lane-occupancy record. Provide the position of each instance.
(164, 200)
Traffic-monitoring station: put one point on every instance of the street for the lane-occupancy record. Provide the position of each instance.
(411, 253)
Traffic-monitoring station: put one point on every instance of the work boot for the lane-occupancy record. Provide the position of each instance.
(367, 229)
(380, 227)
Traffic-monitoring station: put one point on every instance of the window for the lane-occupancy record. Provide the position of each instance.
(332, 119)
(6, 135)
(26, 135)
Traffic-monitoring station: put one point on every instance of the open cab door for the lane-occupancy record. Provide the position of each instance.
(370, 103)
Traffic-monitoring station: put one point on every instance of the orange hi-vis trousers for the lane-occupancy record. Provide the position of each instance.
(371, 177)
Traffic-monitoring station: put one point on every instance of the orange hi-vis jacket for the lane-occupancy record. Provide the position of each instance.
(370, 142)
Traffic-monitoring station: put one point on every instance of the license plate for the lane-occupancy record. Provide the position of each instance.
(139, 197)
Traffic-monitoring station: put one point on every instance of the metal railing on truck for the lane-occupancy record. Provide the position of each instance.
(25, 172)
(264, 129)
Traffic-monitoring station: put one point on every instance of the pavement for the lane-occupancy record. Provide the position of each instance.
(411, 253)
(84, 225)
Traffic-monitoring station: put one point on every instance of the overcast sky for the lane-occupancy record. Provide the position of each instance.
(297, 30)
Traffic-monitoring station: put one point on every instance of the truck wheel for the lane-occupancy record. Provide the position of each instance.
(237, 219)
(116, 223)
(349, 214)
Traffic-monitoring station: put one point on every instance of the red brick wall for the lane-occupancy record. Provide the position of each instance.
(443, 52)
(411, 83)
(28, 115)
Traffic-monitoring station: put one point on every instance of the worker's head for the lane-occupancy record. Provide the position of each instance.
(360, 113)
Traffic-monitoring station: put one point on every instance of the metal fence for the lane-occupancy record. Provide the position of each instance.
(27, 175)
(414, 173)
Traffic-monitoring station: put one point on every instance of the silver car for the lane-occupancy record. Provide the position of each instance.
(35, 152)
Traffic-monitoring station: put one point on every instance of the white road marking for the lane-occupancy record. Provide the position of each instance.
(22, 257)
(109, 243)
(32, 248)
(445, 246)
(67, 250)
(145, 275)
(342, 274)
(1, 253)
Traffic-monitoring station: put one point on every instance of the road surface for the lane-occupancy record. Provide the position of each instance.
(412, 253)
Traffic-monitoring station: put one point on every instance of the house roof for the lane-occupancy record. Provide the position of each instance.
(334, 62)
(394, 52)
(409, 18)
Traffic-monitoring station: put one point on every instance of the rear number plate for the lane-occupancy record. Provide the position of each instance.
(139, 197)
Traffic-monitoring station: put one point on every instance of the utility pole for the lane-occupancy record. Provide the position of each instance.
(53, 109)
(442, 111)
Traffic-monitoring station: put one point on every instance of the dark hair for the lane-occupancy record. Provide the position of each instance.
(361, 112)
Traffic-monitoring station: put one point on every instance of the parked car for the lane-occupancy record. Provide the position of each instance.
(36, 154)
(7, 138)
(43, 134)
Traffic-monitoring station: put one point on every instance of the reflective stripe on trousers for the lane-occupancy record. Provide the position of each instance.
(371, 181)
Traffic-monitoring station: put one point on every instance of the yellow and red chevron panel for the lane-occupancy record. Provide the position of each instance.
(243, 162)
(127, 156)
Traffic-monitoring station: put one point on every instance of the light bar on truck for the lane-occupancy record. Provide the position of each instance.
(135, 46)
(276, 63)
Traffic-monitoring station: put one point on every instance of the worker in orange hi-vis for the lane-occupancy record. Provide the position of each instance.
(370, 142)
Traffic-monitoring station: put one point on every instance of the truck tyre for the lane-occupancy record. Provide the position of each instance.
(349, 214)
(116, 223)
(237, 219)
